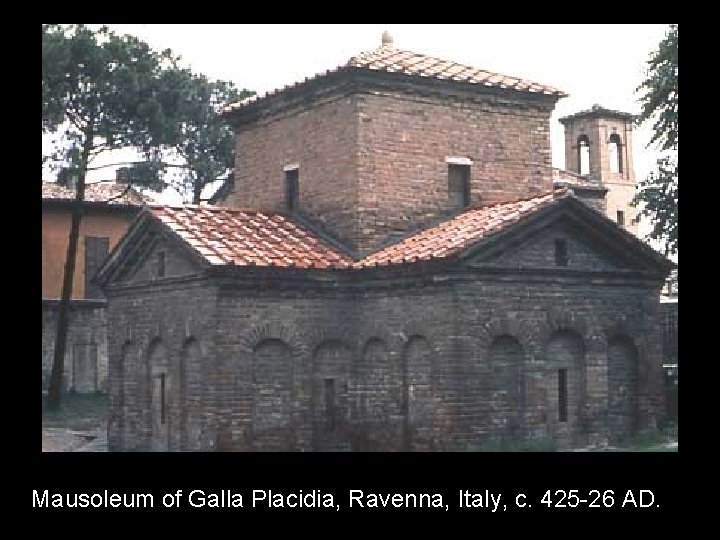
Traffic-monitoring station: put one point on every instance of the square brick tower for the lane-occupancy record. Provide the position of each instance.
(389, 141)
(598, 144)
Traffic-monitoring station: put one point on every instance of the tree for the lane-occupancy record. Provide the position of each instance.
(100, 92)
(204, 141)
(658, 194)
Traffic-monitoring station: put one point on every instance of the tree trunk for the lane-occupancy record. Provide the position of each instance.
(197, 190)
(56, 376)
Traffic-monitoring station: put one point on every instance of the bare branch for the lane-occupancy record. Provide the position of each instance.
(121, 195)
(132, 163)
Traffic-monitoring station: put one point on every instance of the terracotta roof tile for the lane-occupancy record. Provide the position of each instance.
(97, 192)
(389, 59)
(249, 238)
(253, 238)
(454, 235)
(562, 177)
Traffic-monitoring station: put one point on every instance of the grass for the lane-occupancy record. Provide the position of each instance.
(535, 445)
(79, 412)
(655, 440)
(652, 440)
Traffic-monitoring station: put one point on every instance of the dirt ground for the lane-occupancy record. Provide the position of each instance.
(68, 440)
(79, 425)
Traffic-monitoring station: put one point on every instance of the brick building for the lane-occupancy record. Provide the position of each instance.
(109, 209)
(392, 269)
(598, 146)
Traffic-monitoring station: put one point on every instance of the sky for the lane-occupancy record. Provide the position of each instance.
(601, 64)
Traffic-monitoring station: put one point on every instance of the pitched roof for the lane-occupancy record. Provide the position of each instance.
(249, 237)
(597, 111)
(456, 234)
(253, 238)
(561, 177)
(388, 59)
(100, 192)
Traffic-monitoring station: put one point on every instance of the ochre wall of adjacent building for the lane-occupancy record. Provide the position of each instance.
(55, 234)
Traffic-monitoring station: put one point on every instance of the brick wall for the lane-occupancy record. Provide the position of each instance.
(422, 367)
(372, 163)
(322, 140)
(404, 141)
(620, 185)
(86, 351)
(175, 324)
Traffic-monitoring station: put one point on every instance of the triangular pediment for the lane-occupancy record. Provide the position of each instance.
(592, 242)
(149, 253)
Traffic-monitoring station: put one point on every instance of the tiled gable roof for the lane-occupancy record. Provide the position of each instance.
(108, 192)
(253, 238)
(249, 237)
(454, 235)
(388, 59)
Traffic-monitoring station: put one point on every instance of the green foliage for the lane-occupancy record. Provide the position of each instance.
(101, 92)
(660, 92)
(201, 138)
(654, 439)
(544, 444)
(659, 99)
(659, 193)
(117, 92)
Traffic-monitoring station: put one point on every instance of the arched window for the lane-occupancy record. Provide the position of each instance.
(332, 362)
(583, 149)
(615, 151)
(566, 390)
(160, 387)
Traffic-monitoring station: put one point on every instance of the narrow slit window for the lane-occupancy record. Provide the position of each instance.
(330, 403)
(621, 218)
(459, 185)
(161, 264)
(562, 395)
(292, 188)
(561, 252)
(583, 149)
(162, 398)
(615, 154)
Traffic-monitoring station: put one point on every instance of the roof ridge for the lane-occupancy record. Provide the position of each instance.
(217, 208)
(96, 192)
(557, 192)
(378, 60)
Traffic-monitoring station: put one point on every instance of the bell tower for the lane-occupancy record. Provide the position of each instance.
(598, 145)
